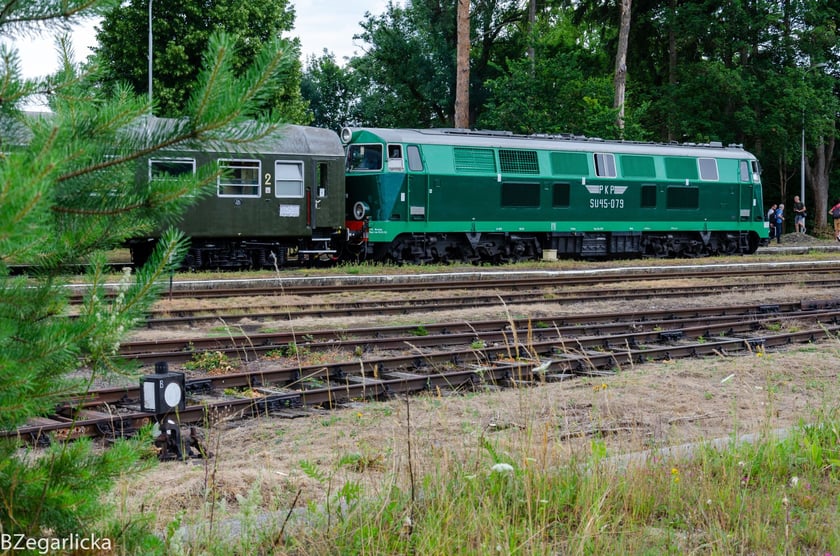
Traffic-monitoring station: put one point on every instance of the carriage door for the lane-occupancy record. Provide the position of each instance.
(291, 196)
(324, 208)
(417, 186)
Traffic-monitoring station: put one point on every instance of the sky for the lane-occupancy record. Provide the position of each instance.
(319, 24)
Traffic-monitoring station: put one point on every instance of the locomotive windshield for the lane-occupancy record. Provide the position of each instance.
(364, 157)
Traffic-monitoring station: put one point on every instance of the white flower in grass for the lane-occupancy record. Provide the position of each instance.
(502, 468)
(794, 481)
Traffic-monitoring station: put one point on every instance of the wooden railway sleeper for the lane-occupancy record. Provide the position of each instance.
(111, 433)
(671, 335)
(336, 374)
(756, 343)
(199, 386)
(278, 402)
(40, 439)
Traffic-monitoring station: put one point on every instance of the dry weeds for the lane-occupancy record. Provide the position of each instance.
(640, 407)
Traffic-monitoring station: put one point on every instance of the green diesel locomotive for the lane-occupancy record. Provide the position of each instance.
(442, 195)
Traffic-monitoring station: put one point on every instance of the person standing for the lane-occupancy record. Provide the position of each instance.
(835, 213)
(799, 214)
(780, 218)
(771, 220)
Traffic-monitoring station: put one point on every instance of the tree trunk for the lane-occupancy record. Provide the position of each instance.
(621, 63)
(817, 177)
(532, 18)
(462, 70)
(672, 67)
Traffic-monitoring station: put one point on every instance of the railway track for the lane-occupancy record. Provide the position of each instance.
(492, 354)
(252, 346)
(504, 280)
(163, 318)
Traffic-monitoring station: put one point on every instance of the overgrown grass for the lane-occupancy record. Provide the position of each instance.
(771, 496)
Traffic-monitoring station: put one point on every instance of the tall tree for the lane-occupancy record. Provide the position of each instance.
(462, 67)
(67, 195)
(567, 87)
(180, 34)
(620, 78)
(408, 71)
(330, 92)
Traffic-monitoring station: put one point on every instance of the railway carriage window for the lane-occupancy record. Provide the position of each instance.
(561, 195)
(520, 194)
(395, 159)
(288, 179)
(648, 196)
(683, 197)
(364, 157)
(681, 168)
(170, 168)
(240, 178)
(569, 164)
(708, 169)
(604, 165)
(518, 162)
(637, 166)
(415, 163)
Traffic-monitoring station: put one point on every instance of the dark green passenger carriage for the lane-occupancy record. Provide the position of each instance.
(445, 194)
(279, 203)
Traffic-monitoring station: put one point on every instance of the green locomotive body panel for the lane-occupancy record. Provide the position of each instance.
(457, 181)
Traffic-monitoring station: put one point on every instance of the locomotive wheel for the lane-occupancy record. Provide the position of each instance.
(730, 246)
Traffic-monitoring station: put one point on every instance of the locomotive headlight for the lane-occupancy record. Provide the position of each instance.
(346, 134)
(360, 210)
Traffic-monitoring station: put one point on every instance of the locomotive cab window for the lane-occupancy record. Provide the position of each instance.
(744, 171)
(708, 169)
(239, 178)
(605, 165)
(364, 157)
(288, 179)
(395, 158)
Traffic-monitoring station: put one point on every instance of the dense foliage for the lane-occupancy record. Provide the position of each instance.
(755, 72)
(180, 34)
(67, 195)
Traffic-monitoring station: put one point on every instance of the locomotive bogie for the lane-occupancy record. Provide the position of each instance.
(431, 195)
